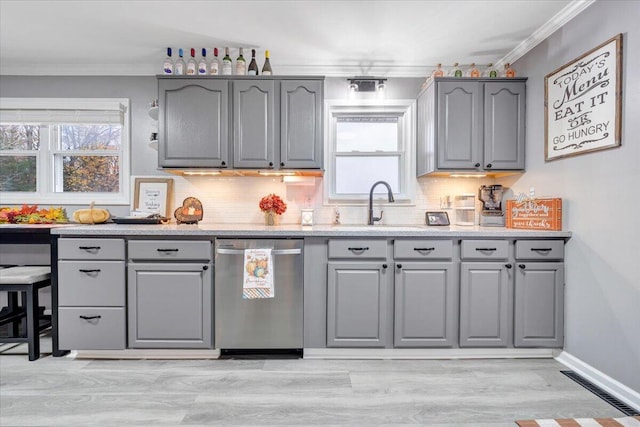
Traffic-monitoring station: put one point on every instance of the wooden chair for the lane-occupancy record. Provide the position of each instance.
(27, 280)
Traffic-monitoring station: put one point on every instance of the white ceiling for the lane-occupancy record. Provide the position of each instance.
(323, 37)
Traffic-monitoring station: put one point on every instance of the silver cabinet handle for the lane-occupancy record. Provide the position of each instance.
(273, 252)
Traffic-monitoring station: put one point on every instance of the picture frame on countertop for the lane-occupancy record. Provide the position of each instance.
(153, 195)
(583, 103)
(437, 218)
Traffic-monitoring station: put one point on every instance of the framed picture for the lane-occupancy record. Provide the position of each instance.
(153, 195)
(583, 102)
(437, 218)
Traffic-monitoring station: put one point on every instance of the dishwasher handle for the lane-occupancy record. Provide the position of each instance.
(223, 251)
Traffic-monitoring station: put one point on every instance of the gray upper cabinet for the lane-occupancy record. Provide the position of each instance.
(193, 123)
(254, 124)
(471, 125)
(301, 124)
(241, 123)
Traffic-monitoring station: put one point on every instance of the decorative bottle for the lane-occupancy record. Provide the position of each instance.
(179, 67)
(167, 66)
(227, 69)
(438, 72)
(192, 67)
(241, 64)
(455, 71)
(473, 71)
(214, 67)
(202, 64)
(491, 72)
(266, 68)
(253, 65)
(508, 71)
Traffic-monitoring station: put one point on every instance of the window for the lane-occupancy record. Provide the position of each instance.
(368, 143)
(64, 151)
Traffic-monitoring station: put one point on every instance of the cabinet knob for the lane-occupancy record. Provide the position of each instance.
(477, 165)
(270, 164)
(281, 164)
(508, 266)
(399, 266)
(223, 164)
(205, 267)
(489, 166)
(384, 265)
(522, 266)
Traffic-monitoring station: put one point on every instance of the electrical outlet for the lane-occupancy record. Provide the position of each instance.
(532, 192)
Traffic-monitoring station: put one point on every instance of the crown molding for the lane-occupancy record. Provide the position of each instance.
(569, 12)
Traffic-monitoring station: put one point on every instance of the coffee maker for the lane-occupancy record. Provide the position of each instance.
(491, 198)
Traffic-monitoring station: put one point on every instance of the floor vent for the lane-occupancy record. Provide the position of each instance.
(619, 405)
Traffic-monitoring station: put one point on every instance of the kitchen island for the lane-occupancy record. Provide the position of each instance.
(369, 291)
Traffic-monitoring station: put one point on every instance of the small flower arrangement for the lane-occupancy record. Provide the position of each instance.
(273, 203)
(32, 215)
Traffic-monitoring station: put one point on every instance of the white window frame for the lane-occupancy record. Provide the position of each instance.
(45, 156)
(405, 110)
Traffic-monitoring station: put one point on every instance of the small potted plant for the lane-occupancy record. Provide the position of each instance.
(272, 206)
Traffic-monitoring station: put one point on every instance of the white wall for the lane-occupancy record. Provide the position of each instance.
(600, 194)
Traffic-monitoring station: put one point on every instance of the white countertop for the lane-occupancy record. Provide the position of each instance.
(291, 230)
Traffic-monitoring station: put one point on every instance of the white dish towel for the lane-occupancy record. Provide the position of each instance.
(258, 274)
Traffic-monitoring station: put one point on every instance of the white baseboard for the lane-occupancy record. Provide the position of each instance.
(602, 380)
(145, 354)
(426, 353)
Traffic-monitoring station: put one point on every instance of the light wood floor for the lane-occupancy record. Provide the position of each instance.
(66, 392)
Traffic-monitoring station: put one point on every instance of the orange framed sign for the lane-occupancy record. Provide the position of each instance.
(535, 214)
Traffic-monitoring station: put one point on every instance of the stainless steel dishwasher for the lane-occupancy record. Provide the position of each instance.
(272, 324)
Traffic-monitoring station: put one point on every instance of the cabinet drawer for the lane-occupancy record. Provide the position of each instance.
(91, 328)
(160, 250)
(82, 283)
(485, 249)
(423, 249)
(540, 249)
(91, 249)
(361, 248)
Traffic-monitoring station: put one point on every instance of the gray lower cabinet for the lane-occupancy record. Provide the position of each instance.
(357, 295)
(425, 305)
(170, 305)
(539, 294)
(471, 125)
(170, 294)
(193, 123)
(91, 294)
(484, 304)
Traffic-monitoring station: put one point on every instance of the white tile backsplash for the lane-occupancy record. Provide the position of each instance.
(235, 199)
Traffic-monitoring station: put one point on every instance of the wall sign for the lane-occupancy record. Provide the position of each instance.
(583, 102)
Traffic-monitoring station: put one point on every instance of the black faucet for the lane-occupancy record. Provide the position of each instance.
(373, 219)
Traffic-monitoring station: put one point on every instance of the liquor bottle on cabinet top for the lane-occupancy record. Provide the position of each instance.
(473, 71)
(192, 68)
(214, 67)
(178, 68)
(253, 65)
(508, 71)
(202, 64)
(438, 72)
(491, 72)
(167, 66)
(266, 68)
(227, 69)
(241, 64)
(455, 71)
